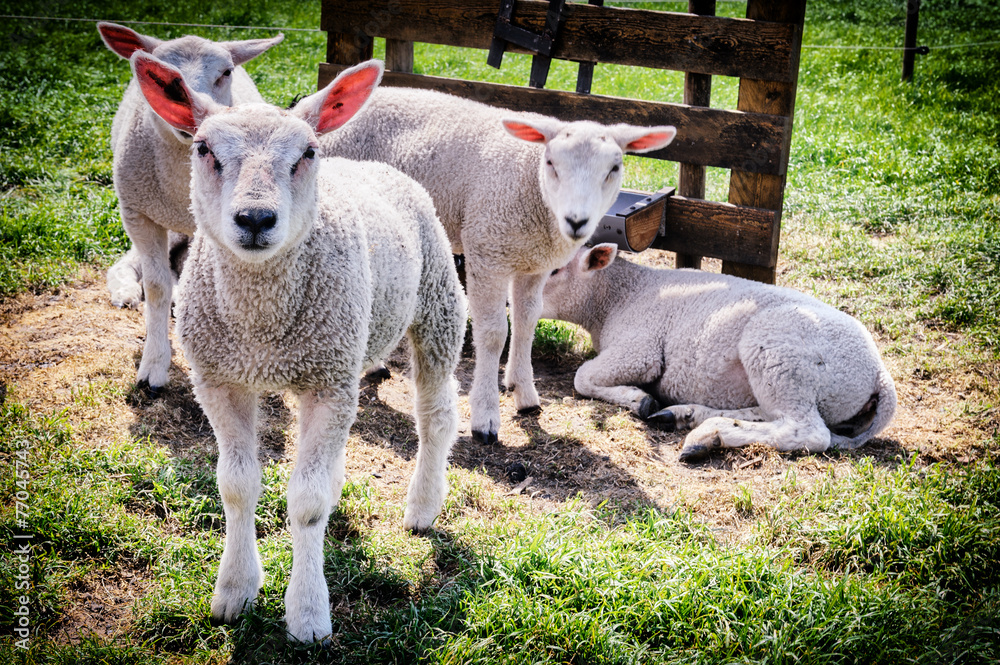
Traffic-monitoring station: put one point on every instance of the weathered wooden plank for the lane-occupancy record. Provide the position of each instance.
(725, 231)
(398, 55)
(697, 92)
(616, 35)
(750, 187)
(347, 49)
(710, 137)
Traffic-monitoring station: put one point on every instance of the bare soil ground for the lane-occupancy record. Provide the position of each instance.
(72, 351)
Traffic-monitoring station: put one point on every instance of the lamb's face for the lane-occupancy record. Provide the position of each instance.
(568, 291)
(581, 173)
(254, 180)
(207, 67)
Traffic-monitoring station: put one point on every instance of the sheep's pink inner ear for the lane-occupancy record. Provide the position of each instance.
(524, 132)
(651, 141)
(346, 98)
(600, 257)
(121, 40)
(166, 92)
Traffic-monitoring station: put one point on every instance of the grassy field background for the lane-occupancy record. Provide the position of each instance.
(892, 214)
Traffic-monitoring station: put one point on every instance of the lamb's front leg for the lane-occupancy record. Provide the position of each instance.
(525, 306)
(232, 411)
(487, 305)
(150, 241)
(613, 376)
(314, 489)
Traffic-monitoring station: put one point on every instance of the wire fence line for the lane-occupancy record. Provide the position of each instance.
(922, 49)
(183, 25)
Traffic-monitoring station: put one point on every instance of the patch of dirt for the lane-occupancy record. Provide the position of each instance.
(100, 604)
(71, 350)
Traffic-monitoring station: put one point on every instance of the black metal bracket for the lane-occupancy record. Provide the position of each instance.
(538, 43)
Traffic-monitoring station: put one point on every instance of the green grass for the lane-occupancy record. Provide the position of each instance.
(882, 566)
(891, 213)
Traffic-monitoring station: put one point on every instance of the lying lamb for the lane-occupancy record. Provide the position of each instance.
(302, 273)
(515, 210)
(152, 175)
(772, 365)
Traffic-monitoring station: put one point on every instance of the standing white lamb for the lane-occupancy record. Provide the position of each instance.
(302, 273)
(516, 210)
(738, 361)
(152, 174)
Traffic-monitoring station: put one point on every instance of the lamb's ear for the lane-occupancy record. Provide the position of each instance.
(535, 130)
(598, 257)
(169, 96)
(643, 139)
(125, 41)
(248, 49)
(337, 103)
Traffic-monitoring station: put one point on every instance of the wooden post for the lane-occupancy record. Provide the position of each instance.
(910, 38)
(345, 49)
(585, 75)
(762, 190)
(398, 55)
(697, 92)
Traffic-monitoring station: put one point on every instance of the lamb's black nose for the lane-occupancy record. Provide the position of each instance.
(256, 220)
(577, 224)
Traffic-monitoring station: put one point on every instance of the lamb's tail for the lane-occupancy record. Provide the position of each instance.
(871, 419)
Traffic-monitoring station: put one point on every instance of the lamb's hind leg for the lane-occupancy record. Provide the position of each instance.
(613, 376)
(325, 418)
(786, 432)
(232, 412)
(125, 280)
(525, 306)
(436, 338)
(689, 416)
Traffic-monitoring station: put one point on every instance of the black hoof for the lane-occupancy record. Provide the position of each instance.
(665, 419)
(528, 410)
(647, 407)
(152, 392)
(691, 454)
(379, 375)
(516, 472)
(420, 532)
(486, 438)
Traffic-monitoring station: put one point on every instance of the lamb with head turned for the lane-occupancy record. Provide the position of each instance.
(152, 175)
(738, 361)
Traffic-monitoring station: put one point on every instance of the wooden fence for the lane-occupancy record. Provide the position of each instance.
(753, 141)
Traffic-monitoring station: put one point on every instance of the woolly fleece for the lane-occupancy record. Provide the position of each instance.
(712, 345)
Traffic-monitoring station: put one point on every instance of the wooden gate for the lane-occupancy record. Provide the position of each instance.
(753, 142)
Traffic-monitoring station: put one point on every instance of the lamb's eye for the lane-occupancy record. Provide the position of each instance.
(614, 169)
(549, 162)
(308, 154)
(203, 150)
(554, 272)
(228, 72)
